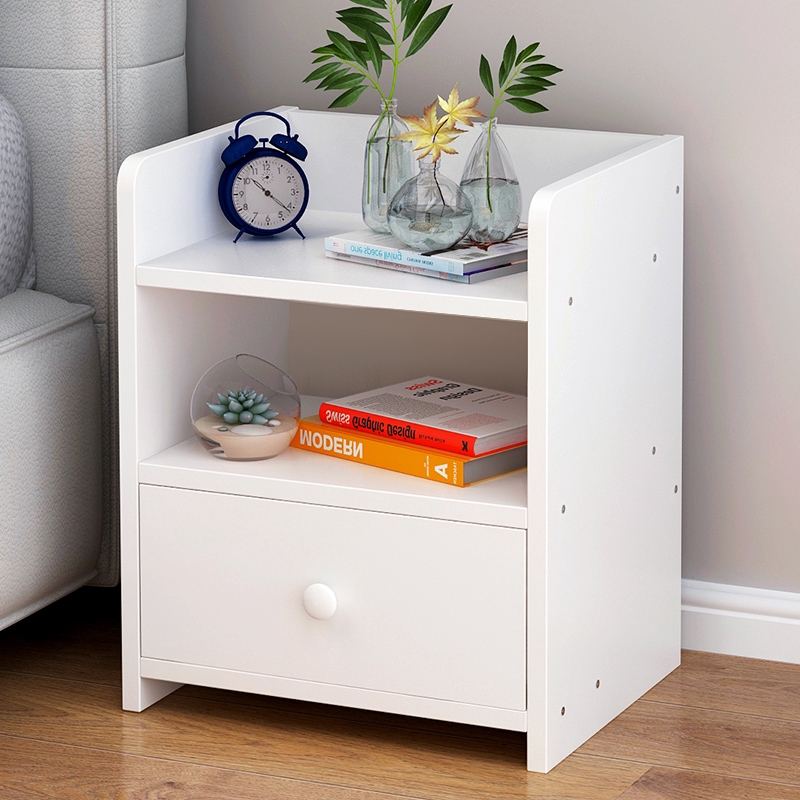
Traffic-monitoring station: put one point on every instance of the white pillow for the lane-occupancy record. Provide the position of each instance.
(17, 266)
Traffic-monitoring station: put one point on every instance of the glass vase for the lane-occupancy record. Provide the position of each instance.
(430, 212)
(491, 184)
(388, 164)
(245, 409)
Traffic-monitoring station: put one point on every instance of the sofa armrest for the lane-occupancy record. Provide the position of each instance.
(50, 451)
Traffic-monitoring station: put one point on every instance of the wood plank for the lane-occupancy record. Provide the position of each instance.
(730, 683)
(78, 638)
(698, 739)
(32, 770)
(339, 752)
(668, 784)
(378, 718)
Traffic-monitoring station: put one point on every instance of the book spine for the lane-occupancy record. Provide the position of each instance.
(372, 262)
(475, 275)
(398, 429)
(388, 454)
(377, 253)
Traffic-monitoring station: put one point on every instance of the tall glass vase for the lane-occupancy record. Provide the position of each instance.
(430, 212)
(490, 182)
(388, 164)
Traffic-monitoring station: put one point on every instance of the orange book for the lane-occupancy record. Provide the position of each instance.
(422, 462)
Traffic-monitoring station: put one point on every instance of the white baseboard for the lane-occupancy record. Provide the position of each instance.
(740, 621)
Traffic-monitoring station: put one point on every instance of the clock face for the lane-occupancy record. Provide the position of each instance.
(269, 193)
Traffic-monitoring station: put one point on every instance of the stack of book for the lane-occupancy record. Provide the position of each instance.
(445, 431)
(465, 262)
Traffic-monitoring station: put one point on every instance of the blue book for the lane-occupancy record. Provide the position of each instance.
(462, 259)
(476, 276)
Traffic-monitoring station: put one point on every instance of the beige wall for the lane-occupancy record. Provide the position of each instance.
(726, 75)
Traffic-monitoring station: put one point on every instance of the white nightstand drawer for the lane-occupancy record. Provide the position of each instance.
(399, 604)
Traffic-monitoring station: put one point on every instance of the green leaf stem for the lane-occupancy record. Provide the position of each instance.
(518, 77)
(345, 81)
(528, 106)
(383, 31)
(525, 89)
(415, 14)
(485, 72)
(348, 98)
(321, 72)
(526, 53)
(509, 54)
(426, 29)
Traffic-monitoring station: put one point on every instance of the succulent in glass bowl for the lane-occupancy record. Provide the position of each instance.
(255, 420)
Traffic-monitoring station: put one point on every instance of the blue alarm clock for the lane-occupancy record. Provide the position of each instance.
(263, 190)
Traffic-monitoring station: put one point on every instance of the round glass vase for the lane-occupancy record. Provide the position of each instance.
(245, 409)
(490, 182)
(388, 164)
(430, 212)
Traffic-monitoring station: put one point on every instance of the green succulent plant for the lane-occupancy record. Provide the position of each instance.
(243, 407)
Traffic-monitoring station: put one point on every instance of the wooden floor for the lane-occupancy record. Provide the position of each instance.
(718, 728)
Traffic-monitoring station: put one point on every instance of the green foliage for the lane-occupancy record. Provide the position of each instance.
(383, 30)
(518, 77)
(243, 407)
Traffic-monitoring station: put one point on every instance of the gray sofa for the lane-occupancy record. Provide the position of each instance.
(84, 84)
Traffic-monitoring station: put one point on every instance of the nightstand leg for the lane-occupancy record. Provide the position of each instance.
(140, 693)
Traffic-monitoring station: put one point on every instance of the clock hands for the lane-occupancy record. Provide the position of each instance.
(268, 193)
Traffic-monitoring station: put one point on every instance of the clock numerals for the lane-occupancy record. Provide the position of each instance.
(267, 193)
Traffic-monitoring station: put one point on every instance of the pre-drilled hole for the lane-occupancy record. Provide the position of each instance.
(597, 685)
(563, 711)
(654, 451)
(563, 509)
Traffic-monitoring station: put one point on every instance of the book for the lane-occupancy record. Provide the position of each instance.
(422, 462)
(461, 259)
(433, 412)
(475, 276)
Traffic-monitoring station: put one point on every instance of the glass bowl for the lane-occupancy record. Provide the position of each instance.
(245, 409)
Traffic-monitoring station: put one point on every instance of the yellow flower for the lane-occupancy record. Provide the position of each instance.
(431, 136)
(455, 112)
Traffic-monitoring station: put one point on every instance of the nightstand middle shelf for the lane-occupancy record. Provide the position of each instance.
(287, 268)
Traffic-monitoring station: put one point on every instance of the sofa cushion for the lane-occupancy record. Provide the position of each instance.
(26, 316)
(17, 267)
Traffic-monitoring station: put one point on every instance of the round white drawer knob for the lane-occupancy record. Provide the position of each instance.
(319, 601)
